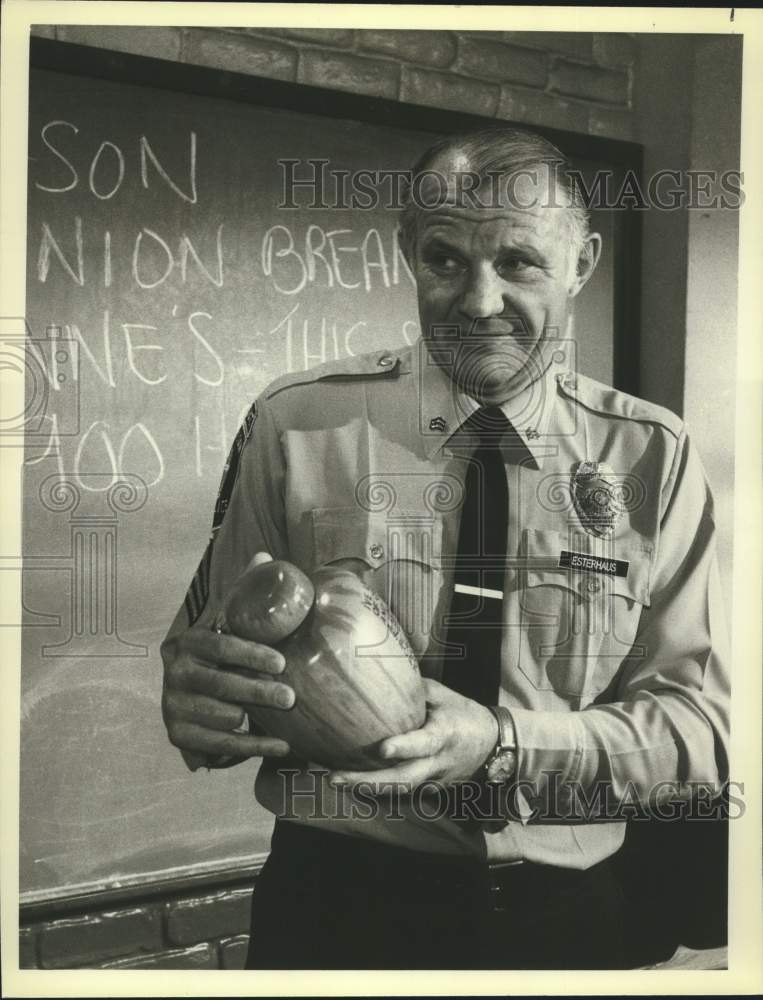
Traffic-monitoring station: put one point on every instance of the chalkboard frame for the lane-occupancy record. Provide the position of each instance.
(97, 63)
(121, 67)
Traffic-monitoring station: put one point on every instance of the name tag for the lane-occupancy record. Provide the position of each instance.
(593, 564)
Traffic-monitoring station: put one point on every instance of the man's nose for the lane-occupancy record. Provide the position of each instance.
(483, 296)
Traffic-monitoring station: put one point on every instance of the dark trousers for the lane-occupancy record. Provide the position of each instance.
(330, 901)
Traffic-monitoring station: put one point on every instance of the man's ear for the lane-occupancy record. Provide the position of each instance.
(585, 265)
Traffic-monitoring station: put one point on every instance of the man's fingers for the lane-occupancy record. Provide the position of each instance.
(218, 649)
(189, 736)
(403, 778)
(435, 691)
(259, 558)
(202, 710)
(424, 742)
(227, 686)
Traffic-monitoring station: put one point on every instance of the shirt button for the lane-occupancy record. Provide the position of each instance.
(385, 361)
(376, 551)
(593, 586)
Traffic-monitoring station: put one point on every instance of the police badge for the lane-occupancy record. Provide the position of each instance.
(597, 498)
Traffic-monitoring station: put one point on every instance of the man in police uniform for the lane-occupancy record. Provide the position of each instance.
(574, 657)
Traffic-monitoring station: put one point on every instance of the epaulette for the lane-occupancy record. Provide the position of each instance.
(375, 364)
(611, 402)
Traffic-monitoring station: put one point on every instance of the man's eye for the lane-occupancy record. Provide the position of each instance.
(444, 264)
(515, 265)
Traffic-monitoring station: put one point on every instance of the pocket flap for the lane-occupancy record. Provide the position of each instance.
(350, 533)
(553, 559)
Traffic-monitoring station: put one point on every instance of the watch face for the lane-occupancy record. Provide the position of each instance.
(502, 767)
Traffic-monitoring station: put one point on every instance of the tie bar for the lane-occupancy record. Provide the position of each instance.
(464, 588)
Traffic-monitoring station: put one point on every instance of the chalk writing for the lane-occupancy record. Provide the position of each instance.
(192, 326)
(293, 259)
(319, 258)
(146, 154)
(44, 136)
(145, 434)
(186, 248)
(133, 348)
(306, 348)
(120, 164)
(107, 259)
(152, 259)
(48, 243)
(169, 261)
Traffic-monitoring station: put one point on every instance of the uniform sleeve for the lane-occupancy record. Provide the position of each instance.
(248, 518)
(666, 730)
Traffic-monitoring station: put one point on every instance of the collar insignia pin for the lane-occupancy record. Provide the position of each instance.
(597, 498)
(437, 424)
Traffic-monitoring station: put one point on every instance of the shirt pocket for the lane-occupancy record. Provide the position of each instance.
(577, 626)
(399, 558)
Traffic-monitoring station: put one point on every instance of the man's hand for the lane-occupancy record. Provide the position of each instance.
(451, 746)
(210, 680)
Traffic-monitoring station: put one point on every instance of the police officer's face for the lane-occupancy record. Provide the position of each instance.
(494, 284)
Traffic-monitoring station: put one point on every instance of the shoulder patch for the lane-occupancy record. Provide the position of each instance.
(198, 591)
(372, 365)
(613, 403)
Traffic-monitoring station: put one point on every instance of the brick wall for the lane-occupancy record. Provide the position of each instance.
(577, 81)
(581, 82)
(203, 930)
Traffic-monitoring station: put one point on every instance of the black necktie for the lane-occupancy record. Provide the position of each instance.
(472, 663)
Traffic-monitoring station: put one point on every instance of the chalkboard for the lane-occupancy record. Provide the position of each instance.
(165, 289)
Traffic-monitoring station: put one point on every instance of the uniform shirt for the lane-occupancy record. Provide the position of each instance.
(617, 684)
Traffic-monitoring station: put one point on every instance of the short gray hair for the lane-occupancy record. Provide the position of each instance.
(494, 152)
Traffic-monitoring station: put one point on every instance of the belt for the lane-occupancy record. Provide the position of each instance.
(350, 851)
(352, 859)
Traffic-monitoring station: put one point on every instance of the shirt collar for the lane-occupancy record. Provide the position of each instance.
(444, 408)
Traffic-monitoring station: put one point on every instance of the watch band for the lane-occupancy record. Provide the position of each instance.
(501, 764)
(507, 739)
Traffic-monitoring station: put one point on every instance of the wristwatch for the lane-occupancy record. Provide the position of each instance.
(502, 763)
